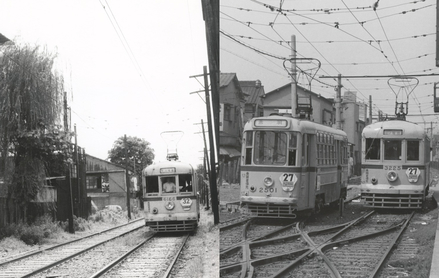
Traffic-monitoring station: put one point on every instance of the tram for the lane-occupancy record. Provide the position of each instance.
(291, 165)
(395, 170)
(170, 196)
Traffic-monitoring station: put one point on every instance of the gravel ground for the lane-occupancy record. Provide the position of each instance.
(202, 248)
(422, 228)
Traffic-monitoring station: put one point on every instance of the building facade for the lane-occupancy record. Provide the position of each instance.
(232, 102)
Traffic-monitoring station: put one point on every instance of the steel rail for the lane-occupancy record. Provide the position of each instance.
(77, 253)
(107, 268)
(391, 247)
(174, 260)
(65, 243)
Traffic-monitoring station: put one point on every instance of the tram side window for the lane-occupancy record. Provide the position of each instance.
(152, 184)
(372, 148)
(185, 183)
(392, 149)
(292, 147)
(248, 147)
(412, 150)
(305, 148)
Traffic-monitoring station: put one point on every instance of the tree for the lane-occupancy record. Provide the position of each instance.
(31, 95)
(138, 151)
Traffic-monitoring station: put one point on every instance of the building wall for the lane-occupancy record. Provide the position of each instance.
(231, 108)
(114, 175)
(279, 100)
(353, 126)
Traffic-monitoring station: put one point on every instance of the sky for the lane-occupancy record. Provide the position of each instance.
(126, 67)
(345, 37)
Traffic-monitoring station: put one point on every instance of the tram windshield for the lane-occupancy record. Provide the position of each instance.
(392, 149)
(185, 183)
(413, 150)
(373, 148)
(270, 148)
(152, 185)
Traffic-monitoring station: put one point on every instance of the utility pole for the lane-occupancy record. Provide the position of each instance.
(338, 104)
(68, 174)
(206, 162)
(370, 109)
(127, 176)
(293, 77)
(212, 176)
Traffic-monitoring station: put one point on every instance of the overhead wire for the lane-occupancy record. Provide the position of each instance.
(280, 10)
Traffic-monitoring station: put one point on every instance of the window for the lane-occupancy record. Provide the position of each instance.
(392, 149)
(248, 137)
(185, 183)
(305, 149)
(372, 148)
(152, 184)
(168, 185)
(292, 149)
(270, 148)
(98, 183)
(413, 150)
(227, 112)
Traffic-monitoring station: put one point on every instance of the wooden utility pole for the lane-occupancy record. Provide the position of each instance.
(206, 162)
(127, 176)
(69, 172)
(212, 174)
(211, 19)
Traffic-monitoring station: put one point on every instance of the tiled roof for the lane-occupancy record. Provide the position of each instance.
(253, 89)
(226, 78)
(3, 39)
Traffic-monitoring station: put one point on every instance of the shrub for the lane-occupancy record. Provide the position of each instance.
(79, 224)
(42, 228)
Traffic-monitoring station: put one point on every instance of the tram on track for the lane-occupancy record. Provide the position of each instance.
(395, 170)
(291, 165)
(171, 202)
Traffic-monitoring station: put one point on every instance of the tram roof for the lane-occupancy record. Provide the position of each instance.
(294, 124)
(409, 129)
(172, 167)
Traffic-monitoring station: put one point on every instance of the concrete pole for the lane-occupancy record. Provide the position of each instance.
(338, 104)
(370, 109)
(293, 77)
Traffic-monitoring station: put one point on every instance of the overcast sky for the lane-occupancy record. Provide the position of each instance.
(347, 37)
(139, 89)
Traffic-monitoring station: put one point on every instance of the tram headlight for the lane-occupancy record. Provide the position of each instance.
(252, 188)
(374, 180)
(155, 210)
(392, 176)
(169, 205)
(268, 181)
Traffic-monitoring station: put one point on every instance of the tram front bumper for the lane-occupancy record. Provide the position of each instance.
(269, 200)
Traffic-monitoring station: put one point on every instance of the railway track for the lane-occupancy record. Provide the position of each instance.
(154, 257)
(34, 263)
(359, 248)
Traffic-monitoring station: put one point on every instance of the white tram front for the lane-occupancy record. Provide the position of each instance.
(290, 165)
(170, 197)
(395, 170)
